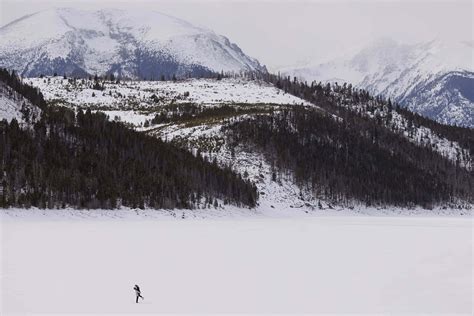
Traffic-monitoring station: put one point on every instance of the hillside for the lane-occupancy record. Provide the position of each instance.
(281, 148)
(14, 106)
(18, 101)
(82, 160)
(247, 124)
(127, 43)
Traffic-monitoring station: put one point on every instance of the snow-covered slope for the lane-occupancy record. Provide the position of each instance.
(134, 43)
(129, 94)
(135, 102)
(15, 106)
(435, 78)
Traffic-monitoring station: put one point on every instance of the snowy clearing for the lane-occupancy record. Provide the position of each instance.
(327, 264)
(128, 95)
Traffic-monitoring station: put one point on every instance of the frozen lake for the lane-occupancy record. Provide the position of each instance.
(338, 264)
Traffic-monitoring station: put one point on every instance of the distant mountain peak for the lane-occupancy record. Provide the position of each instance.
(133, 43)
(430, 77)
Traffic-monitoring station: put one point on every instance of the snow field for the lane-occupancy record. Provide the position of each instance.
(128, 95)
(337, 264)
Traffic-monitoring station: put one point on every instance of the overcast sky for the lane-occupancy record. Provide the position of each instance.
(281, 33)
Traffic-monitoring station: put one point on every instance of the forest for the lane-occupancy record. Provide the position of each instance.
(348, 162)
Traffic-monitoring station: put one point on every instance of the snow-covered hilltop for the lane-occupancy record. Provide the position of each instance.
(128, 94)
(136, 102)
(131, 43)
(435, 78)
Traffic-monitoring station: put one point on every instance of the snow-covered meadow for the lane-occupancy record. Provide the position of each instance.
(132, 94)
(135, 102)
(88, 261)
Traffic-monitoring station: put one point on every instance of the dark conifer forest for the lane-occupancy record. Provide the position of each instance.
(343, 164)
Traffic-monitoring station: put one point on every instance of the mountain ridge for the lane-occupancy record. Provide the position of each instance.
(132, 43)
(408, 74)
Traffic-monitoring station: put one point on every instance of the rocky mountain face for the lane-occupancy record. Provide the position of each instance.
(434, 79)
(136, 44)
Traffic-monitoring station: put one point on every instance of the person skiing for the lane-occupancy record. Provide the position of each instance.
(137, 292)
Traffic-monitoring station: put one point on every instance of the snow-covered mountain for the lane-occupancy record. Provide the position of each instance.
(132, 43)
(435, 78)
